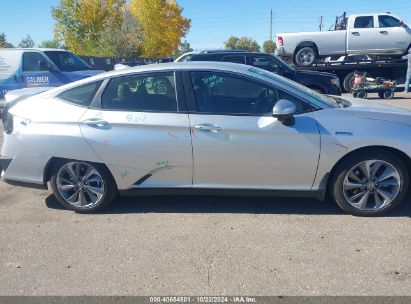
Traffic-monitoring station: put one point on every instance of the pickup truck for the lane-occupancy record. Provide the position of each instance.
(382, 34)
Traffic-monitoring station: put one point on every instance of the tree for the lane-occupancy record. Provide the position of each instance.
(183, 48)
(50, 44)
(231, 43)
(243, 43)
(126, 40)
(27, 42)
(269, 46)
(3, 41)
(163, 26)
(80, 23)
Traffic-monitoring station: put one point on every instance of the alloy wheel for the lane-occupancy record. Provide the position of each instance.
(371, 185)
(80, 185)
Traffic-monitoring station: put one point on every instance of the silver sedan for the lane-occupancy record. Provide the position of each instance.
(205, 127)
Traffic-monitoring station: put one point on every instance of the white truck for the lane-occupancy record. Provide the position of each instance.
(381, 34)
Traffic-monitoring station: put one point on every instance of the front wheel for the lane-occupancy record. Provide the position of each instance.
(370, 183)
(305, 56)
(82, 186)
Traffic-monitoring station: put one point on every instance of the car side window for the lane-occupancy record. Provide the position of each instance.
(82, 95)
(141, 92)
(234, 59)
(33, 62)
(264, 63)
(388, 21)
(221, 93)
(364, 22)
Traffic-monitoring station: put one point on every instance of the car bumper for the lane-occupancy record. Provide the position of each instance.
(18, 167)
(280, 51)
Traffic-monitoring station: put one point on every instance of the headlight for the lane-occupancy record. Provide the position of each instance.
(335, 81)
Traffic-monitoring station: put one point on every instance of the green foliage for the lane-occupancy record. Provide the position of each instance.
(124, 41)
(269, 46)
(243, 43)
(81, 23)
(3, 41)
(163, 26)
(183, 48)
(50, 44)
(27, 42)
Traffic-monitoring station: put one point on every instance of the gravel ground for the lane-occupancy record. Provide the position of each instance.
(201, 246)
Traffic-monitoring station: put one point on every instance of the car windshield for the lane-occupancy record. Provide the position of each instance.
(316, 98)
(66, 61)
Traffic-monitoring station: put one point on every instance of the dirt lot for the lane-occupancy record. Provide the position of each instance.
(200, 246)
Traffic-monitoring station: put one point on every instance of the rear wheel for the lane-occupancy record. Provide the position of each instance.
(305, 56)
(82, 186)
(370, 183)
(348, 82)
(388, 94)
(362, 94)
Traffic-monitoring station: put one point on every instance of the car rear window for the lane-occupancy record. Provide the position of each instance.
(82, 95)
(153, 92)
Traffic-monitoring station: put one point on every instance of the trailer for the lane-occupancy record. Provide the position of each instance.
(389, 68)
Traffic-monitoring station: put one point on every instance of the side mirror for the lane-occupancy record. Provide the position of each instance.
(284, 111)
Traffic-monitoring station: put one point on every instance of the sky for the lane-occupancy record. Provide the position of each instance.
(213, 21)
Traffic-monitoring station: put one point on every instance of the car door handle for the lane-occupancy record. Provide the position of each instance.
(208, 128)
(384, 32)
(95, 122)
(356, 33)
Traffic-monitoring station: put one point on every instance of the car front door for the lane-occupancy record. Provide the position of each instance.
(393, 36)
(38, 71)
(362, 35)
(139, 127)
(236, 141)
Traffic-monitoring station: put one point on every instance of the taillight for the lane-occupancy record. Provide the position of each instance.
(280, 41)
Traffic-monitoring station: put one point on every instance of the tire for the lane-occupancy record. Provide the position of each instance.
(362, 94)
(344, 183)
(388, 94)
(305, 56)
(94, 192)
(381, 95)
(348, 82)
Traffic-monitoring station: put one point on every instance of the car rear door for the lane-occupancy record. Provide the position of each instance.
(362, 35)
(139, 127)
(236, 141)
(393, 37)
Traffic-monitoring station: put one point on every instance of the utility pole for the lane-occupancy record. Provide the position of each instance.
(271, 25)
(321, 23)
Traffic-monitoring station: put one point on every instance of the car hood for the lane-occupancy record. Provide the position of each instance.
(373, 110)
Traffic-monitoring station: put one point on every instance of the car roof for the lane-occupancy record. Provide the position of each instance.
(189, 65)
(228, 52)
(33, 49)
